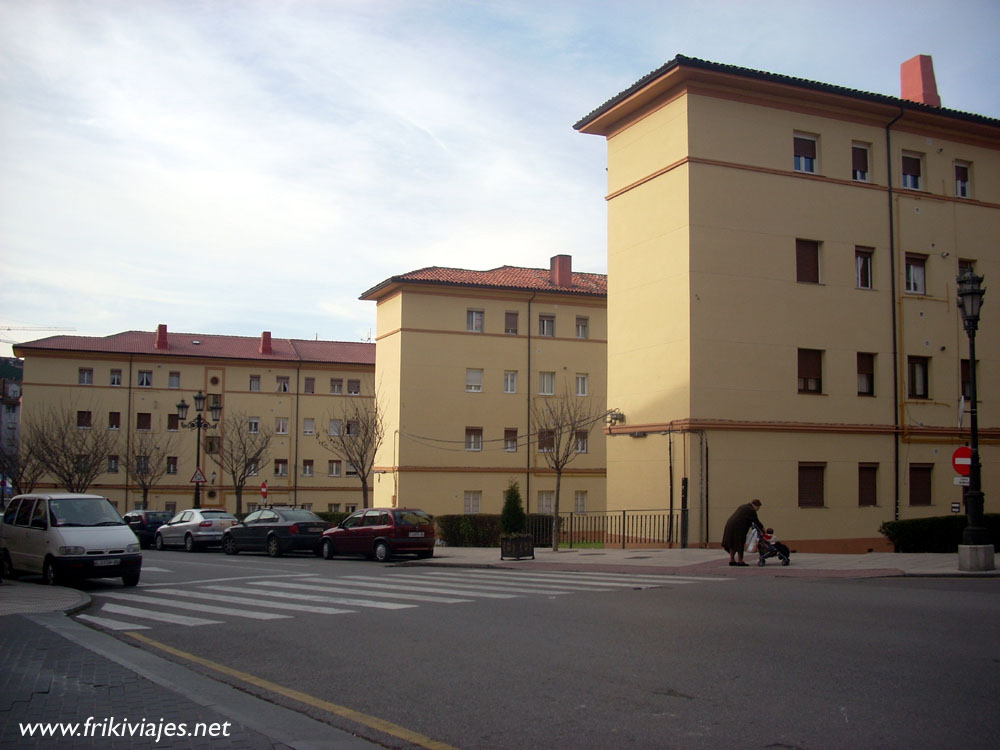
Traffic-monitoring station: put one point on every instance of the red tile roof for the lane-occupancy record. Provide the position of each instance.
(504, 277)
(209, 345)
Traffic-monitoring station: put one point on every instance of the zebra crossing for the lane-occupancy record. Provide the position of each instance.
(216, 601)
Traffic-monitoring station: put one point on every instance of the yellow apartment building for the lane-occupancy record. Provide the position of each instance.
(460, 357)
(130, 383)
(782, 319)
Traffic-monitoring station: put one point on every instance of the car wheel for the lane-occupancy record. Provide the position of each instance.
(189, 544)
(273, 547)
(130, 579)
(8, 566)
(158, 542)
(326, 549)
(229, 545)
(49, 574)
(382, 552)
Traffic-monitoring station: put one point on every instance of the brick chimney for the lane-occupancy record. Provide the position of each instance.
(561, 270)
(265, 343)
(161, 337)
(916, 81)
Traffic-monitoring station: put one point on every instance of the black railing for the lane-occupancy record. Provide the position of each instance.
(623, 528)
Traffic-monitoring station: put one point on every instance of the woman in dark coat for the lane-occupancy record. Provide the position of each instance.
(734, 536)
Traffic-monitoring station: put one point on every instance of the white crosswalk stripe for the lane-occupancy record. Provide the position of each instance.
(147, 614)
(324, 584)
(256, 602)
(165, 602)
(330, 599)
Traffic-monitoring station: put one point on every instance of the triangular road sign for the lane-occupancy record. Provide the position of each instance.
(199, 476)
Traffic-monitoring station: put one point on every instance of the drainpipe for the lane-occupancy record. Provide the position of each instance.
(895, 323)
(527, 459)
(129, 417)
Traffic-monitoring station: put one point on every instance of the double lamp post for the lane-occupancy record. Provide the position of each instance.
(198, 424)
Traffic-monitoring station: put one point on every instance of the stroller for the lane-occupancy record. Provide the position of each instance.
(766, 549)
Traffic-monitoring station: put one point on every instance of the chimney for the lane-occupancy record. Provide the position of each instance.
(161, 337)
(916, 81)
(561, 270)
(265, 343)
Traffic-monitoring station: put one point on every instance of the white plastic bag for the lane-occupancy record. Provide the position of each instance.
(751, 545)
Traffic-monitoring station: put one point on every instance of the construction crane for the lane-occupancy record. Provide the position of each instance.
(6, 340)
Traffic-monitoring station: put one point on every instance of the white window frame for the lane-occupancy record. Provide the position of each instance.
(582, 440)
(253, 426)
(333, 467)
(911, 181)
(546, 500)
(173, 379)
(474, 439)
(473, 380)
(475, 320)
(580, 501)
(337, 386)
(308, 426)
(864, 258)
(582, 384)
(916, 274)
(547, 325)
(353, 387)
(281, 467)
(307, 467)
(335, 428)
(510, 441)
(510, 381)
(116, 377)
(254, 383)
(962, 186)
(806, 164)
(582, 327)
(309, 385)
(145, 379)
(546, 383)
(857, 175)
(85, 376)
(282, 384)
(281, 425)
(473, 502)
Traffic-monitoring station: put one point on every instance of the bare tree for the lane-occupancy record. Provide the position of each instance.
(354, 435)
(22, 467)
(69, 447)
(243, 449)
(148, 455)
(561, 424)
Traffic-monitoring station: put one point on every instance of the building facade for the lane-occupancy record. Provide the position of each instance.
(129, 385)
(461, 359)
(782, 318)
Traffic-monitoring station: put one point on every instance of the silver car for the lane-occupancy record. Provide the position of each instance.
(194, 529)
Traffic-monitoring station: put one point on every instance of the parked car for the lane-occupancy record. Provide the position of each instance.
(194, 529)
(381, 533)
(275, 530)
(144, 524)
(66, 536)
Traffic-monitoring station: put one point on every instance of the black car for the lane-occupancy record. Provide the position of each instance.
(144, 524)
(275, 531)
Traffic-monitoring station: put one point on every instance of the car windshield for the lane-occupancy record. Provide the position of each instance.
(84, 511)
(300, 515)
(412, 518)
(216, 514)
(162, 516)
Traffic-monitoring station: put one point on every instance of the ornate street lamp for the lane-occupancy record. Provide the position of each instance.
(198, 424)
(970, 295)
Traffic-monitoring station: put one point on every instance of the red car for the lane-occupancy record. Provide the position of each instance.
(381, 533)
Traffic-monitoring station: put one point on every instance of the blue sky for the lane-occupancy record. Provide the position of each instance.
(235, 167)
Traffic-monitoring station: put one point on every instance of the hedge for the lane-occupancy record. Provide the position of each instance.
(937, 533)
(483, 529)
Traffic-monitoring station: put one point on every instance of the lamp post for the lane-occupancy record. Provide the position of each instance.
(970, 295)
(198, 424)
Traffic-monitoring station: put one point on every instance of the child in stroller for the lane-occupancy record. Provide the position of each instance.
(769, 546)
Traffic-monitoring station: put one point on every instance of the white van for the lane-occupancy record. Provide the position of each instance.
(66, 536)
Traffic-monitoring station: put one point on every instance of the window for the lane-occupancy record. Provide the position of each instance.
(112, 464)
(866, 374)
(253, 467)
(307, 467)
(174, 380)
(281, 467)
(144, 421)
(282, 383)
(807, 261)
(546, 325)
(582, 441)
(474, 320)
(810, 371)
(353, 387)
(510, 440)
(582, 384)
(916, 280)
(281, 425)
(333, 468)
(173, 423)
(115, 420)
(336, 385)
(962, 179)
(83, 420)
(920, 483)
(918, 369)
(582, 327)
(116, 377)
(473, 501)
(336, 428)
(805, 153)
(546, 383)
(145, 378)
(912, 167)
(510, 322)
(213, 444)
(580, 501)
(811, 485)
(867, 485)
(253, 425)
(546, 500)
(142, 465)
(353, 427)
(510, 381)
(863, 267)
(351, 471)
(255, 383)
(85, 376)
(546, 441)
(333, 507)
(859, 162)
(309, 385)
(171, 464)
(473, 381)
(473, 438)
(308, 426)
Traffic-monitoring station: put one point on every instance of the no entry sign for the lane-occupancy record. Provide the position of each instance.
(263, 490)
(961, 460)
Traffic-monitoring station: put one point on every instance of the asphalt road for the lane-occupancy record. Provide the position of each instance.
(512, 659)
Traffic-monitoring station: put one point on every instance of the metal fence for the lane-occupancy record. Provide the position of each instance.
(624, 528)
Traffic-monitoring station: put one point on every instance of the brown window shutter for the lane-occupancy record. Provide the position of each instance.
(867, 484)
(805, 147)
(920, 484)
(859, 159)
(807, 261)
(961, 173)
(811, 485)
(911, 165)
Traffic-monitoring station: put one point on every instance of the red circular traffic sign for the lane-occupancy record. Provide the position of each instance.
(263, 490)
(961, 460)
